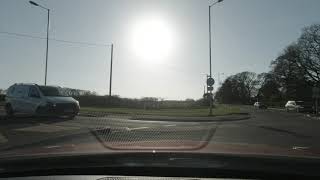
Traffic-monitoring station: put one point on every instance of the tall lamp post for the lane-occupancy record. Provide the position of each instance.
(48, 22)
(111, 64)
(210, 80)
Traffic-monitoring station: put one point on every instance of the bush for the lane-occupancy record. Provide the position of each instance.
(143, 103)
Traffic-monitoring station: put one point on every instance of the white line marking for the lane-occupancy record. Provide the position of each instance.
(130, 129)
(300, 147)
(50, 147)
(170, 125)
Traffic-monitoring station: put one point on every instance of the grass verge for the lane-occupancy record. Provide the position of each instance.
(219, 110)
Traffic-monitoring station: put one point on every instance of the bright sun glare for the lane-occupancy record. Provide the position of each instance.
(152, 39)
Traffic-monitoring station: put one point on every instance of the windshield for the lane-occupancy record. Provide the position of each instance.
(234, 77)
(49, 91)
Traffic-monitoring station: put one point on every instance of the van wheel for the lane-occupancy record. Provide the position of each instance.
(9, 110)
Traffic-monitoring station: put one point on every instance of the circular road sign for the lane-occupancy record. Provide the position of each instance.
(210, 81)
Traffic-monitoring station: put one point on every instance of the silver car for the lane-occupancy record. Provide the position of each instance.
(35, 99)
(293, 106)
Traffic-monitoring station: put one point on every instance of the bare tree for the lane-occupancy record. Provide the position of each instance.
(239, 88)
(250, 82)
(288, 72)
(309, 47)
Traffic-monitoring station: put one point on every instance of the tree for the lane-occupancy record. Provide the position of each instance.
(289, 75)
(309, 47)
(239, 88)
(293, 74)
(76, 92)
(250, 82)
(189, 100)
(297, 68)
(225, 92)
(270, 89)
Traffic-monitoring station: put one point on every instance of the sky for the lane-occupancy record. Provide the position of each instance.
(160, 46)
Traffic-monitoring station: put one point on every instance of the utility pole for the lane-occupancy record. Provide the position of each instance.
(110, 82)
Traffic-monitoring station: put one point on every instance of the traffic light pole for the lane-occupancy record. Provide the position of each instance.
(210, 83)
(317, 106)
(210, 58)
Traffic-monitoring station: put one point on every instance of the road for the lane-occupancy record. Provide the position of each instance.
(263, 128)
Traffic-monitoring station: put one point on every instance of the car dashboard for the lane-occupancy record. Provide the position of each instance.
(108, 178)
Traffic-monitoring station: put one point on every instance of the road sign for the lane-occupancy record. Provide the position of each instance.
(210, 88)
(210, 81)
(316, 92)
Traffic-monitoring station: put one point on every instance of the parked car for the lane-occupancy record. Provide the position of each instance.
(260, 105)
(299, 106)
(292, 106)
(34, 99)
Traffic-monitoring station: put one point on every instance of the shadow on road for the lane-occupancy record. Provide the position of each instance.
(285, 131)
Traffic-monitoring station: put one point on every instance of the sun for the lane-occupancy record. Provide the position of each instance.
(152, 39)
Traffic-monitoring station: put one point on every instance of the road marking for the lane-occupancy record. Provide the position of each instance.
(3, 139)
(170, 125)
(137, 128)
(50, 147)
(56, 147)
(300, 147)
(47, 128)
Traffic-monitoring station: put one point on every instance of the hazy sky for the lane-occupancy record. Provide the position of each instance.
(160, 46)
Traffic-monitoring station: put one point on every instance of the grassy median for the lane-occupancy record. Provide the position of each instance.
(219, 110)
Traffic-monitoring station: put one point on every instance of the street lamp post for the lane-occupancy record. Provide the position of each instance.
(210, 54)
(48, 22)
(111, 63)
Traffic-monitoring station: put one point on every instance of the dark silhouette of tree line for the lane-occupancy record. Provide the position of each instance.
(92, 99)
(141, 103)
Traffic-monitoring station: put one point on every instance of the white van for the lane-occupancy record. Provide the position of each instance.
(35, 99)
